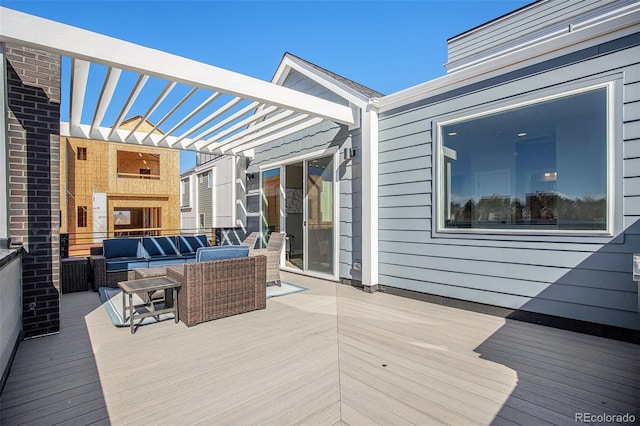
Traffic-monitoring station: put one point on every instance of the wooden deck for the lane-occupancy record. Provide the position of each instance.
(330, 355)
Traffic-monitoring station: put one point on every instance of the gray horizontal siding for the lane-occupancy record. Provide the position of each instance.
(205, 201)
(581, 294)
(537, 304)
(585, 278)
(632, 149)
(632, 167)
(632, 186)
(524, 26)
(605, 58)
(592, 261)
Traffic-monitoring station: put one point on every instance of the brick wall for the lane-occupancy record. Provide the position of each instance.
(33, 91)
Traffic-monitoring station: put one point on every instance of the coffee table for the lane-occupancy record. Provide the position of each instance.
(147, 287)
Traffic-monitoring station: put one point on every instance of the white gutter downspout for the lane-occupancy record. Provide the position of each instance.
(370, 196)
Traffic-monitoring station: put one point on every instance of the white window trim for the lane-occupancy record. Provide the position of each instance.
(613, 222)
(185, 188)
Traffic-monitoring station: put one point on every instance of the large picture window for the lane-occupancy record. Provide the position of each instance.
(541, 166)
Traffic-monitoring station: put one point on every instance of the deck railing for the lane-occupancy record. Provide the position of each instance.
(80, 243)
(10, 307)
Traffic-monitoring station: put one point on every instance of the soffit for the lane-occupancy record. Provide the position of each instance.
(195, 106)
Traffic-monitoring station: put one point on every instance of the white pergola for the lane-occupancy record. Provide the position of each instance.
(233, 114)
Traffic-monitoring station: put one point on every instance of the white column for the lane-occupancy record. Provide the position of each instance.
(4, 146)
(370, 196)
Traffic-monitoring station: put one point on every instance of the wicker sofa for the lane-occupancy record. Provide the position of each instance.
(215, 289)
(119, 256)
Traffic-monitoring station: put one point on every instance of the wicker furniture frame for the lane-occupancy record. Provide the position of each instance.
(100, 276)
(250, 240)
(220, 288)
(273, 252)
(74, 274)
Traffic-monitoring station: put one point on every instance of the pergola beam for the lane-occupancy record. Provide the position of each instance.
(244, 123)
(251, 133)
(209, 118)
(190, 116)
(275, 136)
(225, 121)
(79, 78)
(167, 89)
(142, 80)
(109, 86)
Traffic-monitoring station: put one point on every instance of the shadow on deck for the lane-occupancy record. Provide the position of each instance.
(330, 355)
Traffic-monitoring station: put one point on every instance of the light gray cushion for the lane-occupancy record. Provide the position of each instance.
(221, 252)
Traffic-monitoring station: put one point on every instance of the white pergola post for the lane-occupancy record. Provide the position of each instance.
(370, 197)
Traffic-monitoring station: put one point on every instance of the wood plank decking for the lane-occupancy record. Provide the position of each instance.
(330, 355)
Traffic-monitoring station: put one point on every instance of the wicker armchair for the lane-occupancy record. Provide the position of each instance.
(272, 252)
(220, 288)
(250, 240)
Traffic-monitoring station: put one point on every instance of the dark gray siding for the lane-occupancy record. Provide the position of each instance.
(538, 20)
(581, 278)
(324, 136)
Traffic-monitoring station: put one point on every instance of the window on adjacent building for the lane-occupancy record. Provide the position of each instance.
(82, 153)
(201, 220)
(186, 195)
(209, 179)
(82, 216)
(138, 165)
(542, 166)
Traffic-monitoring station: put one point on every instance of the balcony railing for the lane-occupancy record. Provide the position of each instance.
(138, 176)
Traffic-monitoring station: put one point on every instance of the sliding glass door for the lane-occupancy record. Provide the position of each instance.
(320, 215)
(299, 198)
(271, 198)
(294, 215)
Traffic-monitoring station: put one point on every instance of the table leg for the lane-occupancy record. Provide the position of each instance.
(168, 298)
(124, 306)
(149, 301)
(131, 312)
(175, 304)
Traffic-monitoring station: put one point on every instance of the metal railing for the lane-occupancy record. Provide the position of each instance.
(80, 243)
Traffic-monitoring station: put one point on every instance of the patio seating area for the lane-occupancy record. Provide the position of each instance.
(330, 355)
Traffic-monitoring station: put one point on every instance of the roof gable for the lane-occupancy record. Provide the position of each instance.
(345, 88)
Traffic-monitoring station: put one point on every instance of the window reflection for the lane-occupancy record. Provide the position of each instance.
(541, 166)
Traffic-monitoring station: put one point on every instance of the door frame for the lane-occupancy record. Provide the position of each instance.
(304, 158)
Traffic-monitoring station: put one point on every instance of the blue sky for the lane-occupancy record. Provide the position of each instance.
(385, 45)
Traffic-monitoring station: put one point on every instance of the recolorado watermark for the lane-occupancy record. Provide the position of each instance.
(604, 418)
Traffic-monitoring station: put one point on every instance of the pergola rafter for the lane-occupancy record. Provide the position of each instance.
(251, 109)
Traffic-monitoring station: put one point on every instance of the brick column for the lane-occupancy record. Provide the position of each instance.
(33, 121)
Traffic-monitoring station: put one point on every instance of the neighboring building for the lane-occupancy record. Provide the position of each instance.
(188, 202)
(212, 195)
(111, 189)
